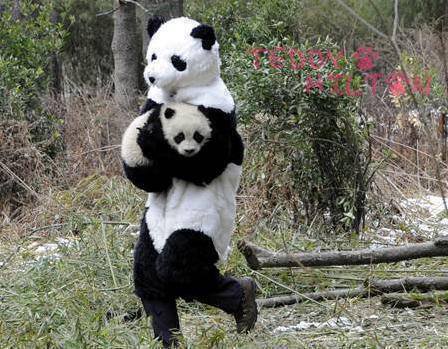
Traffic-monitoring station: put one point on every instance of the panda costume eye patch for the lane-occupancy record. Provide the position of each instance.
(169, 113)
(153, 57)
(179, 138)
(178, 63)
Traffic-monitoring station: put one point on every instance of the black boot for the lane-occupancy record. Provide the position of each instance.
(246, 315)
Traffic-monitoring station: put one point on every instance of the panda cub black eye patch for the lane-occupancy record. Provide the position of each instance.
(179, 138)
(198, 137)
(178, 63)
(153, 57)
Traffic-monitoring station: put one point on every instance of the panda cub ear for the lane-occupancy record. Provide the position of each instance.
(154, 23)
(206, 34)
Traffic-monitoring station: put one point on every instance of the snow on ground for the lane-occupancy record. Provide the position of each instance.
(431, 203)
(341, 323)
(50, 250)
(422, 219)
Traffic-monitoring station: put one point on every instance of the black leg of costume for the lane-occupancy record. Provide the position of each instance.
(165, 321)
(227, 295)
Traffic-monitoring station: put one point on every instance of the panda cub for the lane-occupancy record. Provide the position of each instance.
(187, 142)
(187, 133)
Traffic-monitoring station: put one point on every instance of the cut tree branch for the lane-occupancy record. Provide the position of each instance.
(371, 288)
(413, 300)
(258, 258)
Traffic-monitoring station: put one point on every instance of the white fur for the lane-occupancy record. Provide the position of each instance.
(200, 83)
(210, 209)
(213, 95)
(188, 120)
(131, 153)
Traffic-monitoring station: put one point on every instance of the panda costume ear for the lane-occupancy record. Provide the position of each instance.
(206, 34)
(154, 23)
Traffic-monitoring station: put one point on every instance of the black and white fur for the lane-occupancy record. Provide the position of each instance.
(191, 205)
(187, 191)
(183, 65)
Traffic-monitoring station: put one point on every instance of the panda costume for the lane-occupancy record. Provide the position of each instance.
(188, 157)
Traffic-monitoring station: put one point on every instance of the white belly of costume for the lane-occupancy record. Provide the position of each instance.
(210, 209)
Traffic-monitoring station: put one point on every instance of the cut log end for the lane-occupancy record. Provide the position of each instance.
(248, 252)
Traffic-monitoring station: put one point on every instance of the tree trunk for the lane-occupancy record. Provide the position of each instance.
(126, 52)
(144, 22)
(55, 66)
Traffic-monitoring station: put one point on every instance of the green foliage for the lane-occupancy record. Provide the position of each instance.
(318, 130)
(26, 44)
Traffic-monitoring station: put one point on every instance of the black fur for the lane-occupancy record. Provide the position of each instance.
(185, 266)
(150, 178)
(178, 63)
(169, 113)
(154, 23)
(147, 283)
(237, 149)
(206, 34)
(149, 104)
(187, 262)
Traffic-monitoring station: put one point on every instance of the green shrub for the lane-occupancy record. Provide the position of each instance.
(26, 45)
(29, 133)
(317, 132)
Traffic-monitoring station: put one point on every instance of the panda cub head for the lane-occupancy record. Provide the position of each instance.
(185, 128)
(181, 53)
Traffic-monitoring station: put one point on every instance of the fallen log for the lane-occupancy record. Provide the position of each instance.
(414, 300)
(258, 258)
(371, 288)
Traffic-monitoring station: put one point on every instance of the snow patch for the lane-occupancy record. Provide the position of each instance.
(431, 203)
(50, 250)
(341, 323)
(422, 220)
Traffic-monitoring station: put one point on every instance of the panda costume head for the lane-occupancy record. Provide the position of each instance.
(183, 65)
(181, 53)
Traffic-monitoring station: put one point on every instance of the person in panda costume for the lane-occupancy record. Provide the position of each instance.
(189, 159)
(184, 149)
